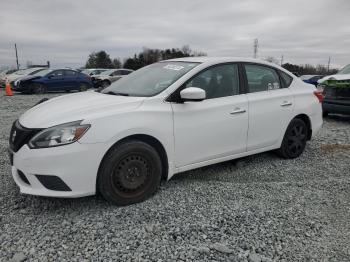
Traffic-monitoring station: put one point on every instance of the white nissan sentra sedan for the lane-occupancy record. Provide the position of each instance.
(165, 118)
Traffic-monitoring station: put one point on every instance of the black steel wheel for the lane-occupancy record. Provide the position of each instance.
(294, 140)
(129, 173)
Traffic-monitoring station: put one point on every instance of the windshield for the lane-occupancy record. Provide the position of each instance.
(345, 70)
(43, 72)
(150, 80)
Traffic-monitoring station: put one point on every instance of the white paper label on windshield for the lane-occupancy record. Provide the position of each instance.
(173, 67)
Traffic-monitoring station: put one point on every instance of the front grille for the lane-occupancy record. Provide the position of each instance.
(20, 135)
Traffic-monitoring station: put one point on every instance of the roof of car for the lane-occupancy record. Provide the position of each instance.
(214, 60)
(204, 59)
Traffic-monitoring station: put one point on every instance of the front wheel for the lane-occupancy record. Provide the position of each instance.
(39, 89)
(294, 140)
(105, 83)
(129, 173)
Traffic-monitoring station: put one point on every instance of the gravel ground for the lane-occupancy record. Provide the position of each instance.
(258, 208)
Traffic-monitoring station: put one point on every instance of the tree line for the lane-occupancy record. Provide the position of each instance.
(308, 69)
(147, 56)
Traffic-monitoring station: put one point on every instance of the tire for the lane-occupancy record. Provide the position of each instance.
(129, 173)
(83, 87)
(294, 140)
(105, 83)
(39, 89)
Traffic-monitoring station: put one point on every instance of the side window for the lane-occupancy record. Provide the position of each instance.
(70, 73)
(125, 72)
(116, 73)
(217, 81)
(261, 78)
(57, 73)
(287, 79)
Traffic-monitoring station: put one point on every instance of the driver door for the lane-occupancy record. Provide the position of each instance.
(56, 80)
(215, 127)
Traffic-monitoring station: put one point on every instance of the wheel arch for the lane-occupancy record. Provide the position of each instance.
(150, 140)
(306, 119)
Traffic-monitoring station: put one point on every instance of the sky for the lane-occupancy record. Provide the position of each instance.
(65, 32)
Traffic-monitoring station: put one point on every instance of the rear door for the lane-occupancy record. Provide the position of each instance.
(71, 79)
(270, 105)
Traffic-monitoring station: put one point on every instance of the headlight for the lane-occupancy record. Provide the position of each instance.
(59, 135)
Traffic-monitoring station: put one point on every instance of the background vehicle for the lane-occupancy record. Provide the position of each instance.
(165, 118)
(53, 80)
(343, 74)
(311, 79)
(336, 97)
(105, 78)
(93, 71)
(3, 75)
(336, 90)
(11, 78)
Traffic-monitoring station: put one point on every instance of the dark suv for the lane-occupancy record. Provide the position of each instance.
(336, 90)
(336, 100)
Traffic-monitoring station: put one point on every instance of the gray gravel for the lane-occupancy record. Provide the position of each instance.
(258, 208)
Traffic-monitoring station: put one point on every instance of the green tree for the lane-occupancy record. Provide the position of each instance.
(99, 60)
(117, 63)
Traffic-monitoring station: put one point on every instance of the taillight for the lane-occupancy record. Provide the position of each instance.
(319, 95)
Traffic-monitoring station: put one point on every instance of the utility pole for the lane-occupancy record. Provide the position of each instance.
(256, 45)
(16, 57)
(282, 60)
(329, 62)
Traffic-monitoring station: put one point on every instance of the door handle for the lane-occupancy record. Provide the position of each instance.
(237, 110)
(286, 103)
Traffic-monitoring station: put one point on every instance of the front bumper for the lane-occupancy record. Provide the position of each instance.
(44, 170)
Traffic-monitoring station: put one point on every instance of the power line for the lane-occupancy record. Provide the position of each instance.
(329, 62)
(256, 45)
(282, 60)
(16, 57)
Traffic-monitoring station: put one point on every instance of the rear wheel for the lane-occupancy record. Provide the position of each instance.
(294, 140)
(129, 173)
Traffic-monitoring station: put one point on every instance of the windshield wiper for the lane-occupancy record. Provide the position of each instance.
(117, 93)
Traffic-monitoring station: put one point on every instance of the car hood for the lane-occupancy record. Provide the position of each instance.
(14, 77)
(74, 107)
(335, 77)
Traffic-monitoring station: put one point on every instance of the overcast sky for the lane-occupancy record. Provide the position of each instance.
(66, 31)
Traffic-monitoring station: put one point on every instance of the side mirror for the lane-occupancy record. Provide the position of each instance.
(192, 94)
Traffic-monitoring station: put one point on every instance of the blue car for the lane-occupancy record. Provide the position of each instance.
(311, 79)
(53, 80)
